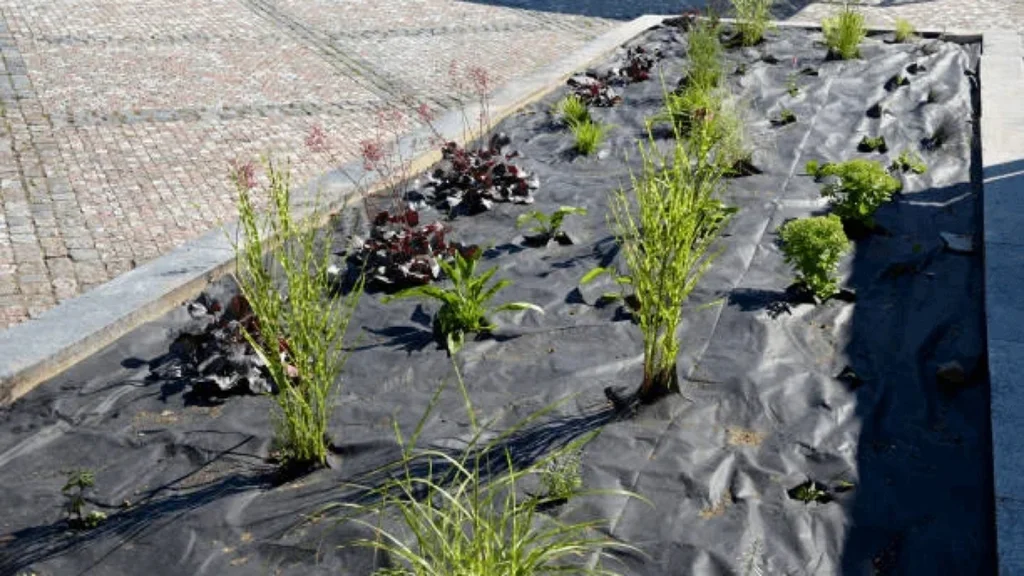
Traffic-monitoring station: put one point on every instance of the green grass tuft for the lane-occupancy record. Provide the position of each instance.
(573, 110)
(589, 135)
(753, 19)
(844, 32)
(904, 30)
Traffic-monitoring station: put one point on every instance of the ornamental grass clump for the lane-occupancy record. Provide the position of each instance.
(589, 135)
(572, 110)
(445, 513)
(844, 33)
(752, 19)
(667, 228)
(860, 187)
(904, 30)
(282, 270)
(814, 247)
(704, 52)
(465, 306)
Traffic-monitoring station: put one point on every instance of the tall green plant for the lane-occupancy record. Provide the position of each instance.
(704, 53)
(844, 32)
(282, 270)
(752, 19)
(666, 229)
(465, 306)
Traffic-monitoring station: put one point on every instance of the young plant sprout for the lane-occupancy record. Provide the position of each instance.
(282, 270)
(844, 32)
(786, 116)
(464, 306)
(814, 246)
(908, 161)
(873, 144)
(548, 227)
(560, 476)
(77, 484)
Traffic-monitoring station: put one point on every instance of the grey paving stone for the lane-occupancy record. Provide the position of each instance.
(1004, 298)
(1004, 203)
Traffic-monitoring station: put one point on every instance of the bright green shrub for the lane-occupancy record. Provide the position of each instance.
(814, 247)
(861, 187)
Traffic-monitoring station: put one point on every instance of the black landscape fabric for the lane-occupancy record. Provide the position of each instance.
(776, 392)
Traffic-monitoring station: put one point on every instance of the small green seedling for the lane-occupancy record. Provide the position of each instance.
(572, 110)
(908, 161)
(589, 135)
(560, 476)
(791, 86)
(844, 33)
(896, 82)
(78, 483)
(786, 116)
(876, 144)
(464, 307)
(861, 187)
(814, 246)
(548, 227)
(904, 30)
(810, 491)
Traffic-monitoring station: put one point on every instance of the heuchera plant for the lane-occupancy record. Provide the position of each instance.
(471, 181)
(401, 253)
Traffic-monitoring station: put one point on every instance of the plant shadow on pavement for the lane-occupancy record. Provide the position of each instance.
(164, 505)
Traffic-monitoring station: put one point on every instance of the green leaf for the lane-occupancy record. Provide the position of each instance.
(593, 274)
(519, 306)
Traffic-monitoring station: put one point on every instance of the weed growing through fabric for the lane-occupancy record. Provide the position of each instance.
(78, 483)
(908, 161)
(282, 270)
(904, 30)
(589, 135)
(573, 110)
(814, 246)
(464, 306)
(873, 144)
(861, 187)
(548, 226)
(792, 88)
(466, 514)
(786, 116)
(666, 229)
(753, 19)
(844, 32)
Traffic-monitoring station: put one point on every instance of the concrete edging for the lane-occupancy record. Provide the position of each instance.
(41, 348)
(1002, 151)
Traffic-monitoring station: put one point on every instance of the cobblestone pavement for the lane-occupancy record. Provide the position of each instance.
(118, 118)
